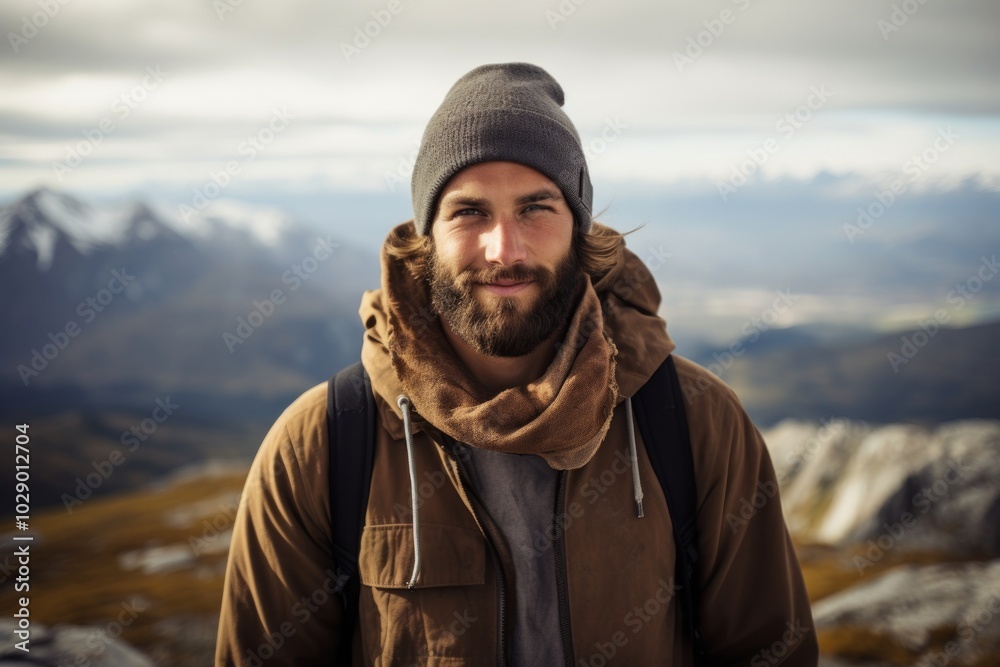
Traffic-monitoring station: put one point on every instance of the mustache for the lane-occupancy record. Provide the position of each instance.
(492, 274)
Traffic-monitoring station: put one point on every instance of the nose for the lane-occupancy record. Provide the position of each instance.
(503, 241)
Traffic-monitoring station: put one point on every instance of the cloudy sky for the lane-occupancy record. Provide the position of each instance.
(289, 102)
(108, 95)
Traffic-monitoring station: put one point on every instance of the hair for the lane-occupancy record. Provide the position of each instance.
(596, 250)
(413, 249)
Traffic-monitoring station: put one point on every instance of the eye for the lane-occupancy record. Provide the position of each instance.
(532, 208)
(466, 212)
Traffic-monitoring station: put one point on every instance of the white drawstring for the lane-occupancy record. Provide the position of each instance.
(404, 405)
(636, 484)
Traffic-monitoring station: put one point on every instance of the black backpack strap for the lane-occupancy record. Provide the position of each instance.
(350, 419)
(663, 424)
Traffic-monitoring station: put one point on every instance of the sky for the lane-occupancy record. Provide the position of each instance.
(165, 92)
(289, 102)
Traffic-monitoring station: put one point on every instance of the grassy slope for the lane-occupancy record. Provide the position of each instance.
(76, 577)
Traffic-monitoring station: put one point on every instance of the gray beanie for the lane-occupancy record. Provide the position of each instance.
(501, 112)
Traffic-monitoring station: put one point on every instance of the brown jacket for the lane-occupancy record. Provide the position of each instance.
(279, 607)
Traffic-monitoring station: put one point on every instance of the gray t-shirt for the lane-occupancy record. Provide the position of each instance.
(519, 493)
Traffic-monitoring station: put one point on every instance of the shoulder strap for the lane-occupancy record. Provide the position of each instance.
(350, 415)
(663, 424)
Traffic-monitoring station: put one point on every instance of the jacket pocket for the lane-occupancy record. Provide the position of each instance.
(450, 556)
(450, 616)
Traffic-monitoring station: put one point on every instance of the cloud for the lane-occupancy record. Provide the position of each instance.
(362, 80)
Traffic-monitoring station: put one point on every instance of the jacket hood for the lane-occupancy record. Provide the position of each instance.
(563, 415)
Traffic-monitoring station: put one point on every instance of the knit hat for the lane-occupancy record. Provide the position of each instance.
(501, 112)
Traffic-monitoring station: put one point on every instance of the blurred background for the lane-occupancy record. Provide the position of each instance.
(193, 196)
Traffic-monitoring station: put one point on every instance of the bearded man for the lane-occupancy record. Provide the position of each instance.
(513, 515)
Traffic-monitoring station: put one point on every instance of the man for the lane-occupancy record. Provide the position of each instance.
(512, 517)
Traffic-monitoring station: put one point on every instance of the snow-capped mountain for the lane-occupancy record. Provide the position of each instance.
(114, 296)
(39, 221)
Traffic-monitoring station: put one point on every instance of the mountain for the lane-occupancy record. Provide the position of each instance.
(118, 309)
(909, 376)
(107, 298)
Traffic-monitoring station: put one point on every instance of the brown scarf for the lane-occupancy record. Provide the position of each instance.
(562, 416)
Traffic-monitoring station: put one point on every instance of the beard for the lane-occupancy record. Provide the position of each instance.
(505, 329)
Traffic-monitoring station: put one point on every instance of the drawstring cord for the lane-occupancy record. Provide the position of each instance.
(404, 405)
(636, 484)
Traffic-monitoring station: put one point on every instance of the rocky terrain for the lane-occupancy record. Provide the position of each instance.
(899, 532)
(68, 645)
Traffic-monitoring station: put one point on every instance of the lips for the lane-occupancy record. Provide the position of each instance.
(506, 287)
(505, 281)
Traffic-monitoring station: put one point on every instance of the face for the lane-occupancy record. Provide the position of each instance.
(504, 272)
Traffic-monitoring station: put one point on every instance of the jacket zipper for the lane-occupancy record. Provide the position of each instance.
(501, 583)
(562, 595)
